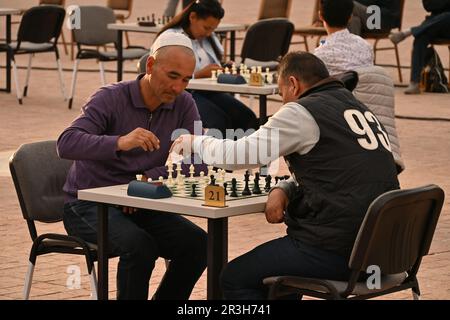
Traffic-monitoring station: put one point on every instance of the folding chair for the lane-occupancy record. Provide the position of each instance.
(394, 236)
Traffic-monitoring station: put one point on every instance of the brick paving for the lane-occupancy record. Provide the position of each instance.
(425, 147)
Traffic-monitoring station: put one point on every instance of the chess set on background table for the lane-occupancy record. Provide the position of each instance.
(242, 74)
(145, 21)
(214, 188)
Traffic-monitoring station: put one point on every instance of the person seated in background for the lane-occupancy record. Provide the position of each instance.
(390, 16)
(218, 110)
(436, 25)
(341, 51)
(123, 130)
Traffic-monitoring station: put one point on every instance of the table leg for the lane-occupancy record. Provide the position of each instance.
(119, 55)
(102, 247)
(217, 255)
(7, 88)
(262, 109)
(232, 45)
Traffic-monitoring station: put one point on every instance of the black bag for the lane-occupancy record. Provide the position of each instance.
(433, 77)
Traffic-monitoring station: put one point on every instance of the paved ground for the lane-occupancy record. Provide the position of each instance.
(425, 146)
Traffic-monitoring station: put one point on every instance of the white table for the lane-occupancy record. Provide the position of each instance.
(217, 227)
(262, 92)
(134, 27)
(8, 13)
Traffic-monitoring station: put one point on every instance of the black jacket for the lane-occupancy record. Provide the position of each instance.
(436, 6)
(342, 174)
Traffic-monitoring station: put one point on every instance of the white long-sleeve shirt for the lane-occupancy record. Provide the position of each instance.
(292, 129)
(343, 51)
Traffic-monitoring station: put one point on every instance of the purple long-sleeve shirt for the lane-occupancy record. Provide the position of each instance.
(114, 111)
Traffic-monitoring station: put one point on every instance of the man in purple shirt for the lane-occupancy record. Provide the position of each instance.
(126, 129)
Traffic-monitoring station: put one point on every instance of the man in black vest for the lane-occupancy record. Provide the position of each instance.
(340, 159)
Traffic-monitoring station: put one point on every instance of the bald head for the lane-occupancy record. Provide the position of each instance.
(169, 52)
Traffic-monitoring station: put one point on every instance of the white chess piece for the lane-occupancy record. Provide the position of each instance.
(161, 179)
(191, 172)
(149, 180)
(214, 75)
(139, 177)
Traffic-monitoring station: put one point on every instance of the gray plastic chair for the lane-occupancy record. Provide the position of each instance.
(394, 236)
(94, 33)
(38, 32)
(142, 64)
(267, 41)
(39, 175)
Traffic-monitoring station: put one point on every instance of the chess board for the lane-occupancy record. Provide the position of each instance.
(184, 190)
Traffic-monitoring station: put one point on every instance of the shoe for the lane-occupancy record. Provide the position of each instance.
(397, 37)
(413, 88)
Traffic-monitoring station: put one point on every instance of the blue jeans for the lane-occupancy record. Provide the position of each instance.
(223, 111)
(242, 278)
(139, 239)
(436, 26)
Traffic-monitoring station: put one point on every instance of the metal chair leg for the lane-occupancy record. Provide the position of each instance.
(397, 57)
(61, 79)
(102, 73)
(94, 289)
(28, 281)
(16, 79)
(74, 80)
(25, 89)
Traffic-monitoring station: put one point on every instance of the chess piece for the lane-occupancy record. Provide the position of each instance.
(256, 188)
(268, 183)
(139, 177)
(213, 180)
(246, 191)
(225, 185)
(214, 75)
(194, 192)
(234, 188)
(191, 172)
(277, 179)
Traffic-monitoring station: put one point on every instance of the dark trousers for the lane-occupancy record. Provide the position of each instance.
(242, 278)
(139, 239)
(436, 26)
(222, 111)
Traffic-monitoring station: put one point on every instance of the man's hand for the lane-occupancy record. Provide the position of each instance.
(276, 204)
(182, 144)
(207, 71)
(139, 137)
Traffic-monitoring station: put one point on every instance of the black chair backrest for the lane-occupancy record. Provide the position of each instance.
(41, 24)
(267, 40)
(39, 175)
(397, 230)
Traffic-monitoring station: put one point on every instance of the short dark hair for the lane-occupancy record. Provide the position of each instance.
(304, 66)
(203, 8)
(336, 13)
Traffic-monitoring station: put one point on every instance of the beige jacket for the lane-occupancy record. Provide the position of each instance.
(376, 90)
